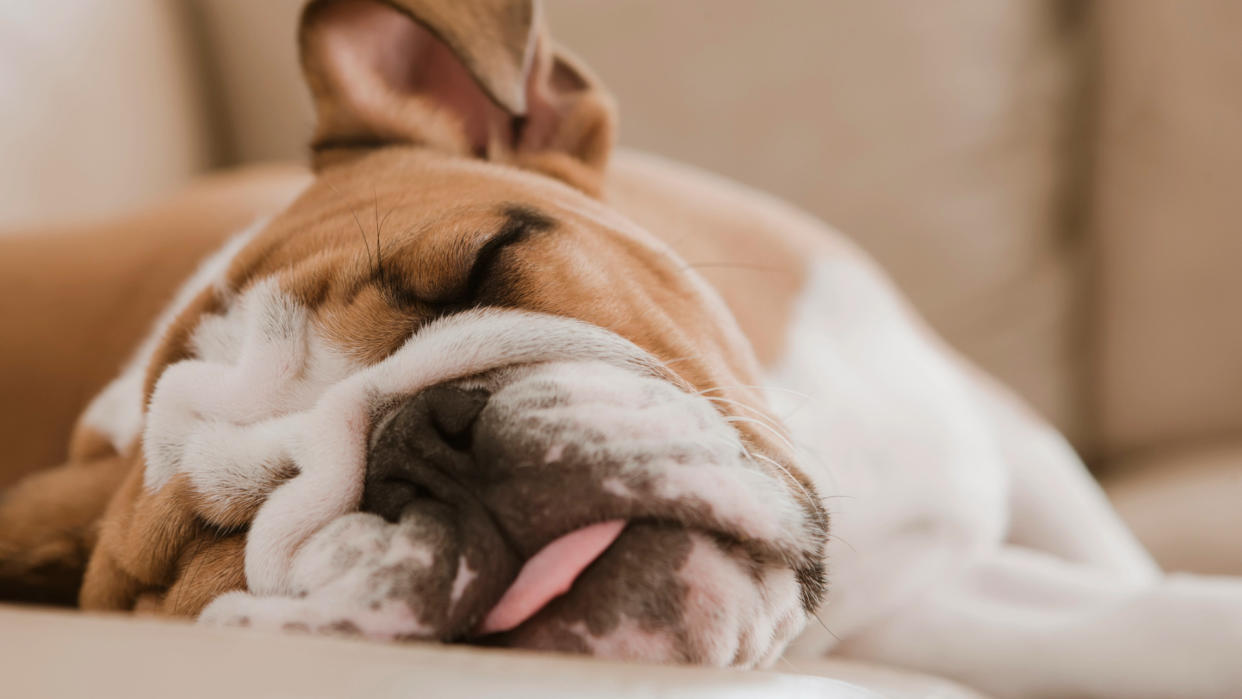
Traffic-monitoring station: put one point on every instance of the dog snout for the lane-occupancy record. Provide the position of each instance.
(424, 442)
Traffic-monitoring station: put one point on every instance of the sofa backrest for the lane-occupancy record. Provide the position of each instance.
(1053, 191)
(101, 107)
(1167, 224)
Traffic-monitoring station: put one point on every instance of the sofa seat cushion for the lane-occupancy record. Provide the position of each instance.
(138, 658)
(1185, 506)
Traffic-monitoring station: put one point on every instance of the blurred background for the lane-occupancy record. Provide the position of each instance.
(1056, 185)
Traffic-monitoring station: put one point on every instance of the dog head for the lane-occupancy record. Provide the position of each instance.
(449, 393)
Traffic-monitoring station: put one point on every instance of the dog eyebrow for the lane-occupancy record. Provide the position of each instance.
(523, 220)
(520, 222)
(517, 222)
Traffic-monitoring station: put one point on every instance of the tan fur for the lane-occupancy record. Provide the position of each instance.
(49, 524)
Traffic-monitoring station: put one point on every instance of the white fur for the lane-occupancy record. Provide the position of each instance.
(465, 576)
(117, 411)
(968, 540)
(389, 621)
(629, 641)
(767, 612)
(1023, 623)
(910, 476)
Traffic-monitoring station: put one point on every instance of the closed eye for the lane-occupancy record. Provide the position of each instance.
(404, 277)
(520, 223)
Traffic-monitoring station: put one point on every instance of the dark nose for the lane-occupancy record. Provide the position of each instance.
(423, 447)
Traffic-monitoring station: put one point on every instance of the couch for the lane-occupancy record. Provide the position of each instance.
(1054, 184)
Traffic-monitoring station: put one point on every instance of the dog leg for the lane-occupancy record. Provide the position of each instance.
(48, 527)
(1026, 624)
(1055, 504)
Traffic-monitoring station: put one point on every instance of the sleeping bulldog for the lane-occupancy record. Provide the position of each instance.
(480, 381)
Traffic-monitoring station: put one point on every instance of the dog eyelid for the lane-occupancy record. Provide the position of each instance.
(520, 222)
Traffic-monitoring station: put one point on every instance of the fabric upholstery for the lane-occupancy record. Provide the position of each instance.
(1167, 224)
(138, 659)
(250, 54)
(1184, 506)
(100, 108)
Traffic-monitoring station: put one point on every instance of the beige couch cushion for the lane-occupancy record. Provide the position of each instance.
(70, 655)
(1169, 222)
(100, 108)
(1185, 505)
(251, 61)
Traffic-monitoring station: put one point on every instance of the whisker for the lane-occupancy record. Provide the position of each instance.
(686, 358)
(740, 404)
(374, 264)
(825, 626)
(793, 413)
(404, 233)
(758, 414)
(759, 388)
(844, 543)
(772, 430)
(384, 219)
(781, 467)
(785, 417)
(375, 212)
(814, 456)
(736, 265)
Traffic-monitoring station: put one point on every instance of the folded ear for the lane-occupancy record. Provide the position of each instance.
(473, 77)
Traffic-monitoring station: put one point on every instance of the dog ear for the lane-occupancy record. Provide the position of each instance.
(472, 77)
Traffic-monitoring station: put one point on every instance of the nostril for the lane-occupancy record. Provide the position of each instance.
(389, 497)
(420, 449)
(456, 439)
(453, 412)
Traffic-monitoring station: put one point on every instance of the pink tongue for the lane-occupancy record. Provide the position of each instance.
(549, 573)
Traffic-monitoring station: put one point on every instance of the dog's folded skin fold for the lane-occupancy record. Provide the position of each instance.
(578, 426)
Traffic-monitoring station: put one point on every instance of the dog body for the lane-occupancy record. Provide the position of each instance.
(477, 386)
